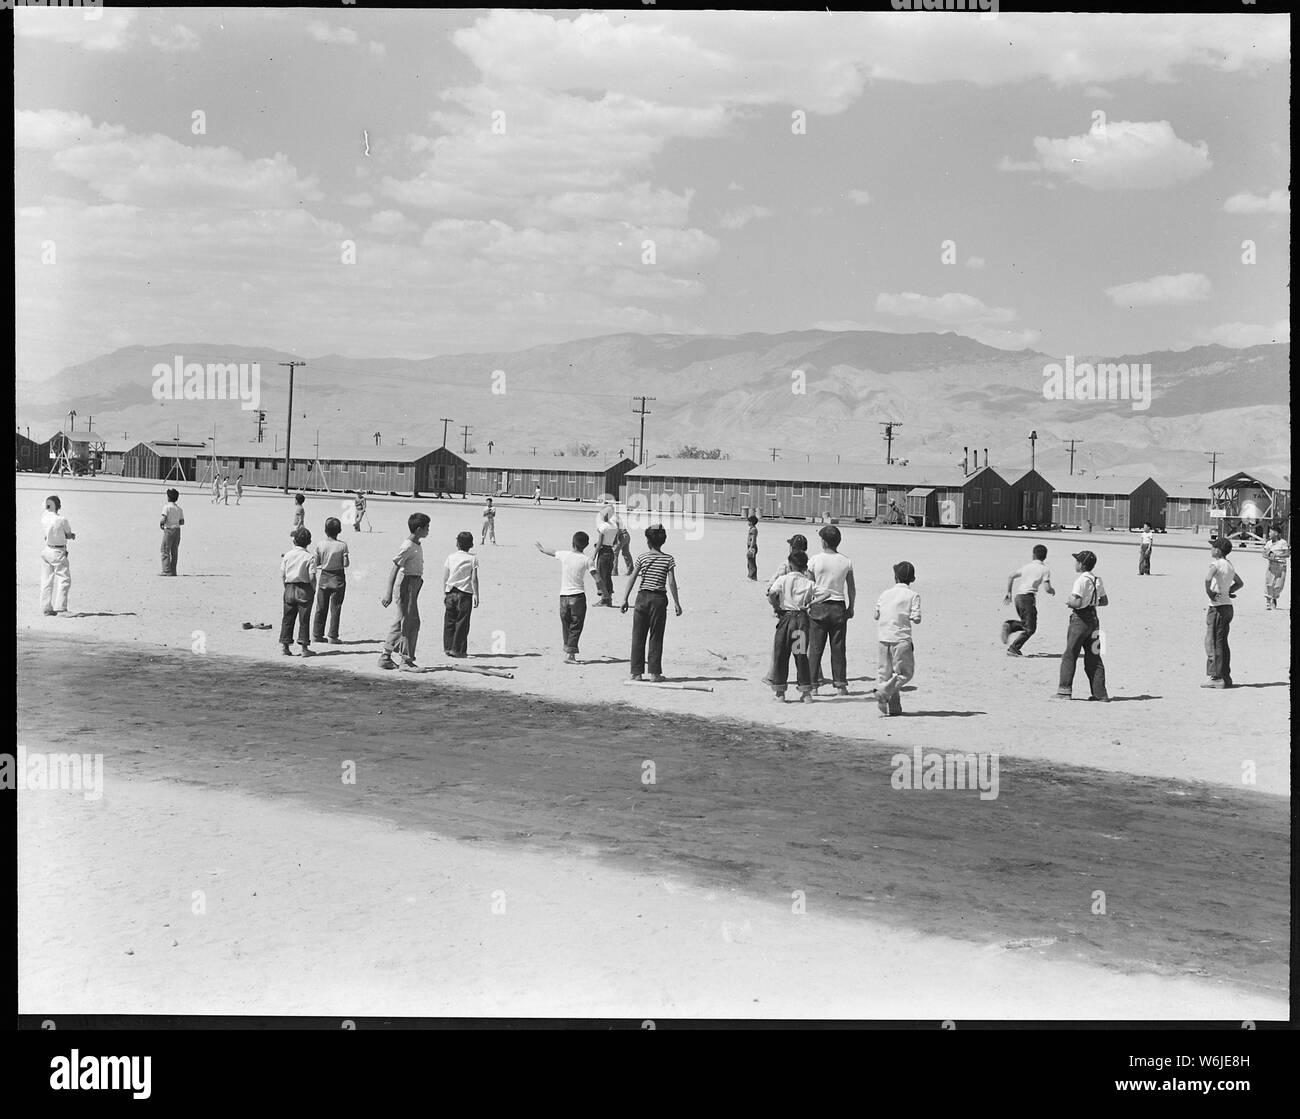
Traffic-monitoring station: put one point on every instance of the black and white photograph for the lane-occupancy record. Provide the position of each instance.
(684, 371)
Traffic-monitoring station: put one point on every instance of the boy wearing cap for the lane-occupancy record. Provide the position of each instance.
(1033, 575)
(1084, 631)
(1221, 585)
(897, 611)
(1276, 552)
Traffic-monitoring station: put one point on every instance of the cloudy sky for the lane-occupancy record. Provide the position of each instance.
(411, 183)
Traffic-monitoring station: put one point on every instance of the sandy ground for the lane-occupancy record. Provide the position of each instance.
(967, 695)
(223, 762)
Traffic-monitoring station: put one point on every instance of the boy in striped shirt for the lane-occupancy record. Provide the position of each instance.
(655, 571)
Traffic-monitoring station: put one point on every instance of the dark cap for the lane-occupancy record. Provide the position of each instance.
(1088, 559)
(1222, 543)
(798, 541)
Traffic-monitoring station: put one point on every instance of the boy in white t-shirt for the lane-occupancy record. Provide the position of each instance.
(1145, 547)
(791, 594)
(574, 569)
(56, 574)
(1084, 632)
(1221, 586)
(1032, 576)
(897, 611)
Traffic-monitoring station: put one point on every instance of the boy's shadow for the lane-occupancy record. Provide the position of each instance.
(940, 714)
(498, 656)
(104, 614)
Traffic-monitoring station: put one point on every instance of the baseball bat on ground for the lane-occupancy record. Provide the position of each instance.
(674, 687)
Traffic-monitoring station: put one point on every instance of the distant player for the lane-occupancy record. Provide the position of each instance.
(1032, 576)
(216, 488)
(897, 611)
(622, 547)
(1276, 553)
(751, 548)
(1084, 632)
(56, 574)
(358, 510)
(299, 513)
(537, 499)
(239, 489)
(225, 489)
(1148, 542)
(1221, 585)
(489, 523)
(606, 536)
(172, 519)
(574, 567)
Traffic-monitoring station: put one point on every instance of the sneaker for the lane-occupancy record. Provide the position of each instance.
(49, 613)
(569, 658)
(386, 662)
(334, 641)
(1062, 695)
(658, 678)
(637, 677)
(307, 652)
(841, 689)
(883, 703)
(286, 650)
(1006, 632)
(1014, 653)
(409, 666)
(1215, 684)
(1099, 699)
(806, 697)
(779, 696)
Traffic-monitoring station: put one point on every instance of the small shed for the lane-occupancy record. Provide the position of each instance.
(1031, 500)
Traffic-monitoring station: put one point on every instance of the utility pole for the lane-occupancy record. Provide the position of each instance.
(1213, 456)
(90, 423)
(775, 451)
(889, 426)
(491, 444)
(72, 420)
(534, 452)
(288, 432)
(377, 437)
(261, 422)
(642, 413)
(1072, 443)
(465, 432)
(635, 444)
(445, 422)
(1033, 438)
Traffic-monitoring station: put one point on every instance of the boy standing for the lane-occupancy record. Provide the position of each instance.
(56, 575)
(409, 563)
(606, 536)
(751, 548)
(1032, 576)
(897, 611)
(172, 519)
(574, 567)
(790, 595)
(299, 513)
(239, 489)
(358, 510)
(831, 613)
(537, 496)
(332, 559)
(489, 523)
(622, 546)
(1084, 632)
(460, 595)
(225, 489)
(298, 573)
(1221, 585)
(1276, 552)
(1144, 550)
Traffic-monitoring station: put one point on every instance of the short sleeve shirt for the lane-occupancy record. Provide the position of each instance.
(573, 572)
(1220, 576)
(458, 572)
(653, 568)
(410, 558)
(831, 570)
(56, 529)
(172, 515)
(330, 554)
(1032, 576)
(1089, 589)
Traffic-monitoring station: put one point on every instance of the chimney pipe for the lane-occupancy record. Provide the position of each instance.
(965, 454)
(986, 456)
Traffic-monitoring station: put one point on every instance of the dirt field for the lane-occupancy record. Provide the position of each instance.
(220, 763)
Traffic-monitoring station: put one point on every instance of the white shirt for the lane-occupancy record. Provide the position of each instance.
(573, 572)
(458, 572)
(56, 529)
(1277, 552)
(1221, 575)
(897, 610)
(796, 589)
(298, 565)
(1148, 538)
(1089, 589)
(410, 558)
(831, 570)
(1032, 576)
(606, 532)
(172, 515)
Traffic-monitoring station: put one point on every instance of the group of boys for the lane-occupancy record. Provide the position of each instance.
(221, 489)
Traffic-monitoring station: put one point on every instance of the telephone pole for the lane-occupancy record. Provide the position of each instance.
(261, 422)
(1072, 443)
(444, 421)
(642, 413)
(775, 451)
(889, 426)
(288, 433)
(635, 444)
(465, 432)
(491, 444)
(1213, 456)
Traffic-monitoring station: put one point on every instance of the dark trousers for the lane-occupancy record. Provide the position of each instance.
(624, 552)
(791, 640)
(459, 605)
(1027, 608)
(1218, 657)
(297, 604)
(171, 548)
(573, 615)
(1082, 636)
(329, 604)
(1144, 560)
(751, 564)
(828, 624)
(605, 573)
(649, 617)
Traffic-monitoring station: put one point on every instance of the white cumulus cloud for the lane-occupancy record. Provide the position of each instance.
(1162, 291)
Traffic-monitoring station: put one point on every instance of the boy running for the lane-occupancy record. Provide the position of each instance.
(409, 564)
(1033, 575)
(897, 611)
